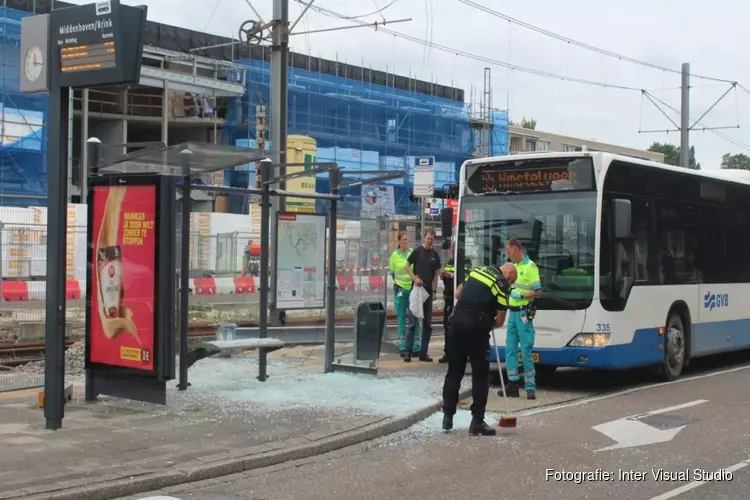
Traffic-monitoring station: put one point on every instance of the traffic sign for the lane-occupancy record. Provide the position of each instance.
(424, 176)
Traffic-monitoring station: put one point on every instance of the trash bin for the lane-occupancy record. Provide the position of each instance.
(369, 326)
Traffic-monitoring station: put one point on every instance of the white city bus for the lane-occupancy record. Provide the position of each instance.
(642, 264)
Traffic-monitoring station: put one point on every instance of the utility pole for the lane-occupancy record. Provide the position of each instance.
(685, 118)
(279, 111)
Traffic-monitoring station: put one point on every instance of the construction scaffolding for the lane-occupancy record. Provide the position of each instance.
(362, 119)
(23, 173)
(489, 125)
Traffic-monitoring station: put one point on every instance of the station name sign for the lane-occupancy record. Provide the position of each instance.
(96, 44)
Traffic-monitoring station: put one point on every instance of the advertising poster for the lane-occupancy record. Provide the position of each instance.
(300, 261)
(123, 276)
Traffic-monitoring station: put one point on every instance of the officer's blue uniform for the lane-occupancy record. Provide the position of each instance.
(520, 326)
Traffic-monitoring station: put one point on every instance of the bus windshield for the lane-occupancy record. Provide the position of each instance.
(557, 230)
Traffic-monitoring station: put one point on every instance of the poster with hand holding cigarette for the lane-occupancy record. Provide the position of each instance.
(122, 306)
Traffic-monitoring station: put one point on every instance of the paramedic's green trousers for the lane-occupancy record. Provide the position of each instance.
(401, 303)
(520, 334)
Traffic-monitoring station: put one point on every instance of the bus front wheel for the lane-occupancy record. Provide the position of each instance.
(674, 348)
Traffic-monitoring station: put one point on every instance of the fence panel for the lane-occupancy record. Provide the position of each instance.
(224, 280)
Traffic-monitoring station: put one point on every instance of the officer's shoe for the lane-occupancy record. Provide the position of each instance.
(511, 390)
(407, 357)
(447, 422)
(425, 358)
(480, 428)
(531, 395)
(443, 359)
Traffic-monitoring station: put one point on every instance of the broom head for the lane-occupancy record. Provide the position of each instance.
(507, 422)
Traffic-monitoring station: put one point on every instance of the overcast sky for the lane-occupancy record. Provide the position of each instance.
(666, 33)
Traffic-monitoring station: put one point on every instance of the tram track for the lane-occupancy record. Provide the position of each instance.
(13, 354)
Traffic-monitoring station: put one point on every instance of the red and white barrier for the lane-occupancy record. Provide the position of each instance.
(351, 280)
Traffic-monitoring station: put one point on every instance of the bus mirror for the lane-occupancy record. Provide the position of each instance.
(622, 212)
(446, 221)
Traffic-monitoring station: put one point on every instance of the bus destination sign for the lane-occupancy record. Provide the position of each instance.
(97, 44)
(532, 176)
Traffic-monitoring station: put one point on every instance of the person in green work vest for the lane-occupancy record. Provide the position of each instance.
(521, 321)
(402, 284)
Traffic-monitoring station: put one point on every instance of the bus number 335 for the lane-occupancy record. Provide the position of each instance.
(602, 327)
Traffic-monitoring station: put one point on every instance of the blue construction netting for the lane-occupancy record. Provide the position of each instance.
(499, 137)
(359, 125)
(23, 118)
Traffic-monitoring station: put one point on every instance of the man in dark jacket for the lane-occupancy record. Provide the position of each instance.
(426, 263)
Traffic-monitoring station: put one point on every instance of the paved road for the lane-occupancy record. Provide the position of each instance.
(701, 422)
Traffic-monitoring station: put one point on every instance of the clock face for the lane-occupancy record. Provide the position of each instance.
(33, 63)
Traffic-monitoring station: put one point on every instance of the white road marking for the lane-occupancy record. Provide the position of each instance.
(628, 432)
(697, 484)
(671, 408)
(594, 399)
(631, 433)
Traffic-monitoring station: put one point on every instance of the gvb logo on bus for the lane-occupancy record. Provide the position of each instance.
(715, 300)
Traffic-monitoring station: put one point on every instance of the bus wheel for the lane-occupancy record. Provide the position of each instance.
(674, 348)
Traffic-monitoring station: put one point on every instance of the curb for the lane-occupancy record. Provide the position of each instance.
(166, 479)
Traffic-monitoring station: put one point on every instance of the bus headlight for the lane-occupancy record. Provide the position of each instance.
(590, 340)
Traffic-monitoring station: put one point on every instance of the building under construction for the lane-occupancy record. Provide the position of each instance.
(201, 87)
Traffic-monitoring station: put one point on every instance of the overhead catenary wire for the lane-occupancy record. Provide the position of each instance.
(541, 73)
(469, 55)
(582, 45)
(210, 17)
(717, 133)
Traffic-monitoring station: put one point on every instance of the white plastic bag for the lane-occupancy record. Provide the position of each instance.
(416, 301)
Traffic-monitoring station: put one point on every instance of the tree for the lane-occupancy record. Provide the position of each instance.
(740, 161)
(527, 124)
(672, 154)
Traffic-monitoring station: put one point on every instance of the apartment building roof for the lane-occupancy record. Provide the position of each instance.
(558, 142)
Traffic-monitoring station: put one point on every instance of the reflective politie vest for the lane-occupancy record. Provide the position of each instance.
(397, 263)
(484, 288)
(528, 279)
(448, 282)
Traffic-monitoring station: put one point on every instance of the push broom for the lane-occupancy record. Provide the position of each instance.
(507, 421)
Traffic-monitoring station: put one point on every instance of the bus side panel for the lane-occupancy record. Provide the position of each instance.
(722, 323)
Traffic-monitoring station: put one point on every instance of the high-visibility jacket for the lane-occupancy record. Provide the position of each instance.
(397, 264)
(485, 288)
(528, 279)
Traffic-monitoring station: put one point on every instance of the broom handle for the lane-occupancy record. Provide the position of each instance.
(500, 372)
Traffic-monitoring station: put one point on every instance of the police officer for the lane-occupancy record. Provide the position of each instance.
(480, 297)
(520, 321)
(448, 276)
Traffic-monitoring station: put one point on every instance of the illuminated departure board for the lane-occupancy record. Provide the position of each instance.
(88, 57)
(97, 44)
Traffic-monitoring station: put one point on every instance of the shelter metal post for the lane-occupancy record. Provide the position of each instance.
(57, 201)
(266, 171)
(330, 342)
(185, 155)
(93, 157)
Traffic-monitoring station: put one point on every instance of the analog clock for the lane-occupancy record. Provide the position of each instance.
(33, 63)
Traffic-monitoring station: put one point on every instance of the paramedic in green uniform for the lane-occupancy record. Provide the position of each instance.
(520, 321)
(402, 284)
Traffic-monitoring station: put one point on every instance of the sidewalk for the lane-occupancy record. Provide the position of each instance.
(227, 422)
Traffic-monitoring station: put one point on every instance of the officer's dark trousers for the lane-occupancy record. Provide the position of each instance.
(469, 337)
(447, 310)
